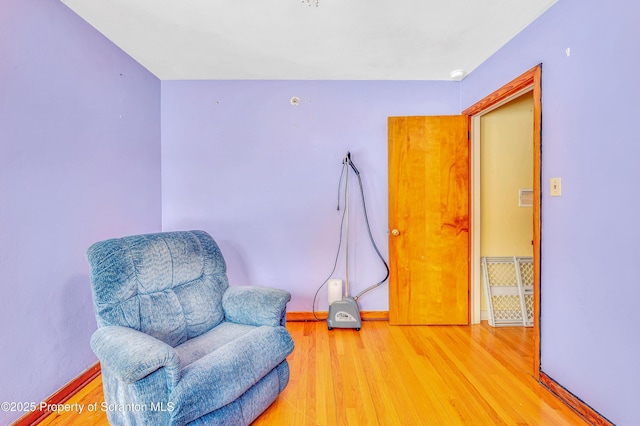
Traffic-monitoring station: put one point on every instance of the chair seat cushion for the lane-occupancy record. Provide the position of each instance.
(198, 347)
(218, 378)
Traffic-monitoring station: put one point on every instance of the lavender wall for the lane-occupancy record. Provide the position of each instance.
(261, 175)
(590, 251)
(79, 162)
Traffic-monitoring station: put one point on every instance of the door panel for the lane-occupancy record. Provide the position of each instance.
(429, 220)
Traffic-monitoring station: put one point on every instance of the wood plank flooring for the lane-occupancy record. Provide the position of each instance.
(397, 375)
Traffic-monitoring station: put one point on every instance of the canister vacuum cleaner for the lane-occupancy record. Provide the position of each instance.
(345, 313)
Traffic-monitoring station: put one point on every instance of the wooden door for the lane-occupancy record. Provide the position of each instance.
(429, 220)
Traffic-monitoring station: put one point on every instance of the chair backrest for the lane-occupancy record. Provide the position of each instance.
(168, 285)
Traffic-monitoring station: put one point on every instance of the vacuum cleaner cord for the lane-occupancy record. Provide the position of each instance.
(335, 263)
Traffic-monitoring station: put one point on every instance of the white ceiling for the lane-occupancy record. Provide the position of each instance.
(287, 39)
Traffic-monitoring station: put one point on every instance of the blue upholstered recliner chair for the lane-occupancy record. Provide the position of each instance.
(176, 344)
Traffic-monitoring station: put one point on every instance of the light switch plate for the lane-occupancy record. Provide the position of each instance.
(556, 187)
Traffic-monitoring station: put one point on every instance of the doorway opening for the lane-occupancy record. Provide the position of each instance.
(528, 82)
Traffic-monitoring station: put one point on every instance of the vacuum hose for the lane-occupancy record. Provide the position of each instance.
(373, 243)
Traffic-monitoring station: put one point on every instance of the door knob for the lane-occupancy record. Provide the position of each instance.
(395, 232)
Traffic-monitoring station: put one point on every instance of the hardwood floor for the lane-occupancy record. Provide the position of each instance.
(397, 375)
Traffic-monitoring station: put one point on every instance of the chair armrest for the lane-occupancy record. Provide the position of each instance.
(132, 355)
(257, 306)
